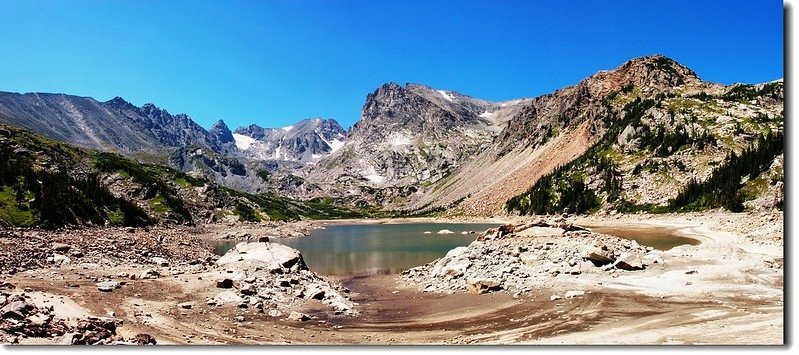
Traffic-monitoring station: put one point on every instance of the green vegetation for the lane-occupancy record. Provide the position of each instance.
(263, 174)
(746, 93)
(565, 187)
(162, 197)
(723, 188)
(14, 209)
(33, 196)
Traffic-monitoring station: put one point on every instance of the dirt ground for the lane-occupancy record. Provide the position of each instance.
(726, 290)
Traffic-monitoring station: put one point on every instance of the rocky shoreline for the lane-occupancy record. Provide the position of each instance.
(517, 283)
(525, 257)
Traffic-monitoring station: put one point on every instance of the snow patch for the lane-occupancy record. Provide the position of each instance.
(446, 95)
(510, 103)
(335, 145)
(316, 156)
(277, 153)
(486, 114)
(243, 142)
(288, 128)
(377, 179)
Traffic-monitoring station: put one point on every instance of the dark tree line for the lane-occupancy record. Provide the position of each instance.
(723, 188)
(144, 175)
(60, 200)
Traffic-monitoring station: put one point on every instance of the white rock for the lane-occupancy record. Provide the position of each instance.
(271, 256)
(158, 261)
(445, 231)
(227, 297)
(574, 293)
(59, 259)
(108, 286)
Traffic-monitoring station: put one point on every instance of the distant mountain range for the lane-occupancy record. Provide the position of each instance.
(420, 149)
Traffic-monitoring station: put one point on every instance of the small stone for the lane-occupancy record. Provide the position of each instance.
(158, 261)
(574, 293)
(297, 316)
(107, 286)
(239, 318)
(186, 305)
(149, 274)
(61, 247)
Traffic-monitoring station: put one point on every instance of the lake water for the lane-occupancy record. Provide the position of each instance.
(362, 249)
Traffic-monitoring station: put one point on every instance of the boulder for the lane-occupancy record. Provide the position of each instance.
(598, 253)
(481, 286)
(107, 286)
(60, 259)
(275, 313)
(573, 293)
(38, 319)
(149, 274)
(16, 310)
(300, 317)
(457, 267)
(248, 289)
(315, 292)
(630, 261)
(158, 261)
(445, 231)
(60, 247)
(270, 256)
(227, 297)
(144, 339)
(224, 283)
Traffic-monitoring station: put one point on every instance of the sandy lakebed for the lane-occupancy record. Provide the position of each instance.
(728, 289)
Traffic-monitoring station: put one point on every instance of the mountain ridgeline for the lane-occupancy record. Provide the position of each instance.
(46, 183)
(649, 135)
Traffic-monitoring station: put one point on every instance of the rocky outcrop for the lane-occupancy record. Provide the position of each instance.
(20, 318)
(33, 249)
(518, 258)
(271, 276)
(409, 135)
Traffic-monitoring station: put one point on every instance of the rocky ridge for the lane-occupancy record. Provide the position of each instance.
(274, 278)
(523, 258)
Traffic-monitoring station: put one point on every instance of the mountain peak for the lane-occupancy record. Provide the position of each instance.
(221, 133)
(119, 103)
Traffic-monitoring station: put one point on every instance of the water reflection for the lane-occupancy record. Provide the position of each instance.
(391, 248)
(379, 248)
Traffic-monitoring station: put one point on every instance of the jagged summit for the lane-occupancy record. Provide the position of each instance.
(306, 141)
(221, 133)
(120, 103)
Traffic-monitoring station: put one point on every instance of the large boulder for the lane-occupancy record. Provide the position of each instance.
(270, 256)
(598, 253)
(630, 261)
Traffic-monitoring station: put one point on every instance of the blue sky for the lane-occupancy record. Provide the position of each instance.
(275, 62)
